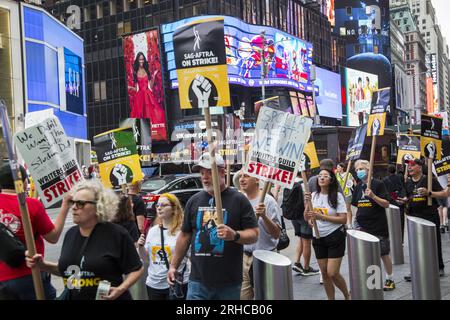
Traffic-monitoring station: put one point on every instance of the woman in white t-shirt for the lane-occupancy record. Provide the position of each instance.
(159, 246)
(330, 213)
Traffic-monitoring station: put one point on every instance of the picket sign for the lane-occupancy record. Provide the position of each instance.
(309, 203)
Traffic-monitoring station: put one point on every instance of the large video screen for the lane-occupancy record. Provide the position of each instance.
(359, 89)
(329, 99)
(144, 80)
(288, 58)
(74, 82)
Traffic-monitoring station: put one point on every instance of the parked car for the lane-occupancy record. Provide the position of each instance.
(182, 186)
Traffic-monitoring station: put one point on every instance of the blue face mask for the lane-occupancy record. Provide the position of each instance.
(362, 174)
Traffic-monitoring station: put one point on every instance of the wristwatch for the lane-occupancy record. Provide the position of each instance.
(237, 236)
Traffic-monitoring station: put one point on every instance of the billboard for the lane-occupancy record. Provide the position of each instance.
(144, 80)
(74, 82)
(328, 99)
(330, 12)
(288, 59)
(359, 90)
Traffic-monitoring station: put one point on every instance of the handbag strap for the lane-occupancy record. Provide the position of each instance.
(283, 226)
(162, 247)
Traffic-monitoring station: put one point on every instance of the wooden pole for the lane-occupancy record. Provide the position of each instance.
(430, 179)
(405, 175)
(265, 189)
(309, 203)
(214, 171)
(372, 160)
(347, 174)
(21, 195)
(228, 174)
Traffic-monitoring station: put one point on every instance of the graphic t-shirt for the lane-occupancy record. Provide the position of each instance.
(215, 262)
(265, 240)
(418, 205)
(108, 255)
(320, 204)
(157, 269)
(10, 217)
(370, 215)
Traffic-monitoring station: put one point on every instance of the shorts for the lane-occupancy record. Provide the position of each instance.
(302, 229)
(348, 199)
(385, 245)
(330, 247)
(443, 202)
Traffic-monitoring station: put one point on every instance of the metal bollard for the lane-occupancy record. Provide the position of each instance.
(395, 234)
(272, 276)
(423, 256)
(139, 290)
(364, 263)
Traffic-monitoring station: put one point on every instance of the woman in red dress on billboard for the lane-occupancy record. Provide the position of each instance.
(145, 105)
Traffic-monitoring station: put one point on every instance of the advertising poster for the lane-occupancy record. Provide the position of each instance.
(431, 137)
(144, 80)
(359, 89)
(74, 82)
(328, 99)
(408, 148)
(380, 108)
(330, 12)
(201, 64)
(48, 153)
(309, 157)
(443, 166)
(356, 143)
(288, 59)
(444, 116)
(142, 137)
(118, 157)
(277, 147)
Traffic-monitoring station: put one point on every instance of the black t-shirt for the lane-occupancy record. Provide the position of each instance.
(417, 205)
(108, 255)
(370, 215)
(139, 208)
(215, 262)
(132, 229)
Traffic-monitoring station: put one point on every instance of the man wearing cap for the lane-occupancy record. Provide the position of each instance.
(19, 280)
(217, 249)
(417, 197)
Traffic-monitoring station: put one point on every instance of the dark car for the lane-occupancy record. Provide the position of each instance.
(182, 186)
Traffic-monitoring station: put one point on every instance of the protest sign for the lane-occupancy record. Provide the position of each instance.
(443, 166)
(277, 146)
(356, 143)
(408, 148)
(380, 107)
(50, 158)
(309, 157)
(142, 138)
(118, 157)
(431, 137)
(201, 64)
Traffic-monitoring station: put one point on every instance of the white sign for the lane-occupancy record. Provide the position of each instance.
(33, 118)
(277, 147)
(48, 153)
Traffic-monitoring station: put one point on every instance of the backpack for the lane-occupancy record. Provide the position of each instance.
(12, 250)
(293, 206)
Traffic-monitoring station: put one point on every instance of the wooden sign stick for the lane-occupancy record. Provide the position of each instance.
(309, 204)
(430, 179)
(372, 160)
(347, 175)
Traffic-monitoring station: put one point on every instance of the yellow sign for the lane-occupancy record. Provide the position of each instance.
(376, 124)
(311, 153)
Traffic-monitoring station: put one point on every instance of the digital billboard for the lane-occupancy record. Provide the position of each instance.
(288, 59)
(359, 90)
(328, 100)
(330, 12)
(144, 80)
(74, 82)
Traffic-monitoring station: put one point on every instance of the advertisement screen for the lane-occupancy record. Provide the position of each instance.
(330, 12)
(359, 89)
(144, 80)
(328, 99)
(288, 59)
(74, 82)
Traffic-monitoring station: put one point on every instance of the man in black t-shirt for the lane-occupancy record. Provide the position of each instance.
(371, 215)
(139, 207)
(217, 264)
(417, 196)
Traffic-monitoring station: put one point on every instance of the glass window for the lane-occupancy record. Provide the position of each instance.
(96, 91)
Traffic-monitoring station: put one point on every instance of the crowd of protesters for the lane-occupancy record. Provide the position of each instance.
(193, 255)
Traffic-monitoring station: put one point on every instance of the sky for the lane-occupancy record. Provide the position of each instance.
(443, 17)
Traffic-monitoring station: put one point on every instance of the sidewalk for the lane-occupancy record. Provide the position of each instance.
(309, 288)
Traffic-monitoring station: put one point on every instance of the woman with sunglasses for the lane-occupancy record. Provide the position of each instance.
(160, 247)
(330, 212)
(95, 249)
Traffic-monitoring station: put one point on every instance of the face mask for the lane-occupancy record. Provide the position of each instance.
(361, 174)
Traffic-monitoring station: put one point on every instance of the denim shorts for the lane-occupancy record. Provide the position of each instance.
(198, 291)
(23, 289)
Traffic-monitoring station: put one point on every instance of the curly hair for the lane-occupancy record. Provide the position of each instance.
(178, 214)
(107, 200)
(124, 211)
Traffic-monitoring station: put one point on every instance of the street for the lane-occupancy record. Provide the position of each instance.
(305, 288)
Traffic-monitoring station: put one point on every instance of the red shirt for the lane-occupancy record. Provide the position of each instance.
(10, 216)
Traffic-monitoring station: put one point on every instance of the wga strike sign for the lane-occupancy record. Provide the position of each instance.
(431, 137)
(201, 64)
(277, 146)
(118, 157)
(377, 117)
(49, 155)
(356, 143)
(408, 148)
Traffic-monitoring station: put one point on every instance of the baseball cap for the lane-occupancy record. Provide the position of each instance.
(415, 161)
(205, 162)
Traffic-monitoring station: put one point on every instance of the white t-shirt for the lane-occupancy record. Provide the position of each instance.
(157, 270)
(265, 240)
(320, 203)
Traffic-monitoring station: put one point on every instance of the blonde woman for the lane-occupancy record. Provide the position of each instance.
(160, 246)
(94, 249)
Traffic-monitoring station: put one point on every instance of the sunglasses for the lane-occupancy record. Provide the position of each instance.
(79, 204)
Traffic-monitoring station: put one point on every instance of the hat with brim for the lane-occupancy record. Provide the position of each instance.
(415, 161)
(205, 162)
